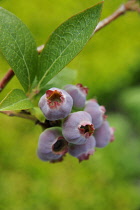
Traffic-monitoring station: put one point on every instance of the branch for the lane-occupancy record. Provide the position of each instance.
(6, 79)
(108, 20)
(27, 115)
(20, 114)
(131, 5)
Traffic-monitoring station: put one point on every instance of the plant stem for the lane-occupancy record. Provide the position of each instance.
(27, 115)
(20, 114)
(110, 18)
(131, 5)
(8, 76)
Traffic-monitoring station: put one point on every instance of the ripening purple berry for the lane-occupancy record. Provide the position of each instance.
(56, 104)
(52, 146)
(78, 93)
(96, 111)
(83, 151)
(104, 135)
(77, 127)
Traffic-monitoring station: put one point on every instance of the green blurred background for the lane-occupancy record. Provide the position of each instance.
(109, 65)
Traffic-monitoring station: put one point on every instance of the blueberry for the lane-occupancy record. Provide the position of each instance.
(77, 127)
(96, 111)
(56, 104)
(78, 93)
(83, 151)
(104, 134)
(52, 146)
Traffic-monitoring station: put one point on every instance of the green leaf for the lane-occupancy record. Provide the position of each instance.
(66, 42)
(15, 100)
(64, 77)
(18, 47)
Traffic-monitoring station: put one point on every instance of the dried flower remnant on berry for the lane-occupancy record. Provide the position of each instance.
(56, 104)
(60, 146)
(112, 130)
(83, 89)
(77, 127)
(54, 98)
(52, 145)
(86, 130)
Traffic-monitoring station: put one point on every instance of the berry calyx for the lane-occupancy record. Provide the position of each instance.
(82, 88)
(54, 98)
(60, 146)
(52, 146)
(77, 127)
(56, 104)
(86, 130)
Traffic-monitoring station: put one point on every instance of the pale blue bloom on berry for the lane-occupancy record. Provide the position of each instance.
(104, 134)
(77, 127)
(96, 111)
(78, 93)
(56, 104)
(83, 151)
(52, 146)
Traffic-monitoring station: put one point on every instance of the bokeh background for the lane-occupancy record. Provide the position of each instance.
(110, 66)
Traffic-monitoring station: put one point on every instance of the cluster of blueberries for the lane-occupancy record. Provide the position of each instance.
(80, 131)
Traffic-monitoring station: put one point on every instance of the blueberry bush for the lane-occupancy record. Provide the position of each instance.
(19, 48)
(69, 119)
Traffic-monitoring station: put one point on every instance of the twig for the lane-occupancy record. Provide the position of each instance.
(19, 114)
(131, 5)
(28, 116)
(6, 79)
(106, 21)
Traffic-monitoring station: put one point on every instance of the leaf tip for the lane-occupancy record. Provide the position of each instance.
(101, 2)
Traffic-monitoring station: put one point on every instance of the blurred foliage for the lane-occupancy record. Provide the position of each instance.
(129, 103)
(109, 65)
(109, 180)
